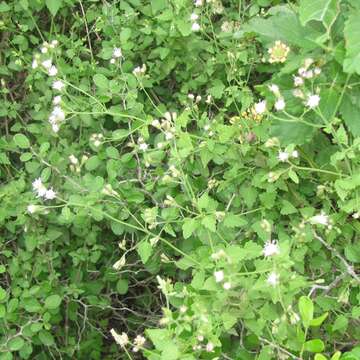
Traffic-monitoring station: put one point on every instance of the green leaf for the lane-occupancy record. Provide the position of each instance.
(352, 43)
(320, 357)
(234, 221)
(52, 302)
(341, 324)
(16, 344)
(188, 227)
(122, 286)
(209, 221)
(320, 10)
(3, 294)
(21, 141)
(158, 5)
(306, 308)
(145, 250)
(319, 320)
(101, 81)
(315, 345)
(336, 356)
(53, 6)
(352, 253)
(46, 338)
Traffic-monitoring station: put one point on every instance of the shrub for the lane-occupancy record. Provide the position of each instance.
(179, 179)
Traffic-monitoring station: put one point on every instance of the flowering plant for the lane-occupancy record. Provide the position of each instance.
(180, 180)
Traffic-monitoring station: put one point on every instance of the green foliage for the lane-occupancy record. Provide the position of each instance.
(179, 179)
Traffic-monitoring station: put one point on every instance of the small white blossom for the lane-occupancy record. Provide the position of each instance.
(271, 248)
(298, 93)
(356, 215)
(280, 104)
(139, 70)
(308, 74)
(195, 27)
(273, 279)
(53, 71)
(320, 219)
(198, 3)
(260, 107)
(283, 156)
(57, 100)
(274, 89)
(122, 339)
(58, 85)
(313, 101)
(317, 71)
(298, 81)
(155, 123)
(54, 43)
(55, 128)
(50, 194)
(295, 154)
(117, 53)
(73, 159)
(219, 276)
(143, 146)
(194, 17)
(47, 64)
(32, 209)
(209, 347)
(44, 50)
(227, 286)
(112, 61)
(34, 64)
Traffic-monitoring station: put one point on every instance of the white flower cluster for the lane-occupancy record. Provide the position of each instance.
(123, 340)
(195, 26)
(308, 71)
(41, 191)
(219, 277)
(209, 347)
(271, 248)
(196, 99)
(45, 63)
(143, 146)
(116, 55)
(96, 139)
(166, 125)
(273, 278)
(280, 102)
(57, 115)
(260, 107)
(321, 219)
(284, 156)
(140, 70)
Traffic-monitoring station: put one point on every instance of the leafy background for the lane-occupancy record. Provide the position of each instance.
(204, 191)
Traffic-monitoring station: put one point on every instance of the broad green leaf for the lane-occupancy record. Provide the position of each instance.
(16, 343)
(284, 26)
(320, 357)
(145, 250)
(53, 6)
(101, 81)
(122, 286)
(320, 10)
(306, 308)
(2, 294)
(352, 43)
(336, 356)
(52, 302)
(319, 320)
(21, 141)
(46, 338)
(188, 227)
(315, 345)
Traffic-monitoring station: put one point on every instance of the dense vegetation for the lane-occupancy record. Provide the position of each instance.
(180, 179)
